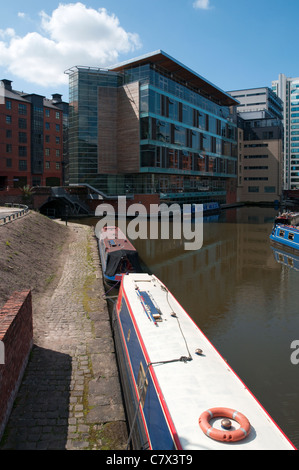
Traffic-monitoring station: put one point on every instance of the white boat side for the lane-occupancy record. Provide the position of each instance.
(189, 388)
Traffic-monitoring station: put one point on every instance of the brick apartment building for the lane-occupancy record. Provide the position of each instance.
(32, 139)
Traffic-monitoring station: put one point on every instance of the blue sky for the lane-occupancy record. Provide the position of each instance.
(234, 44)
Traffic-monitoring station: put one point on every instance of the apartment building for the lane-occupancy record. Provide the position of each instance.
(31, 139)
(152, 126)
(262, 101)
(260, 145)
(287, 89)
(260, 159)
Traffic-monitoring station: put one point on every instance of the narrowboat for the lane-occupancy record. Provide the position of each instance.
(179, 393)
(286, 235)
(118, 255)
(287, 218)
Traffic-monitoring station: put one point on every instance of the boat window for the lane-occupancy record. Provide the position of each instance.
(281, 233)
(291, 236)
(142, 384)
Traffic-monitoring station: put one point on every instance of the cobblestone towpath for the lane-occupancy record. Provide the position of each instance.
(70, 396)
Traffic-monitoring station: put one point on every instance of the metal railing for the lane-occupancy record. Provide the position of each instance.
(14, 215)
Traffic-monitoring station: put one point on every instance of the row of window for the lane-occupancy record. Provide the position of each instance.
(23, 123)
(23, 137)
(256, 156)
(290, 235)
(164, 131)
(22, 109)
(167, 158)
(22, 151)
(256, 189)
(23, 164)
(164, 106)
(256, 167)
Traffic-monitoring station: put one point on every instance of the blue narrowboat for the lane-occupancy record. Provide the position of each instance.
(287, 235)
(177, 388)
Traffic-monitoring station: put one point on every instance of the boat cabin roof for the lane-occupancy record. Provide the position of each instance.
(292, 228)
(192, 387)
(115, 240)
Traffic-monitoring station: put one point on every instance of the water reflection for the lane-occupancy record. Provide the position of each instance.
(244, 298)
(291, 260)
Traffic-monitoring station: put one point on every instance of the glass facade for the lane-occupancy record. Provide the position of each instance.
(288, 90)
(188, 142)
(83, 122)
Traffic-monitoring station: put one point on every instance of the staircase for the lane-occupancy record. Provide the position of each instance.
(73, 202)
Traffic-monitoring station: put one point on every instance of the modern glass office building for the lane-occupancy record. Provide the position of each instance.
(288, 90)
(152, 126)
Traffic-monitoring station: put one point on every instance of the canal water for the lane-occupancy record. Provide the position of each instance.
(244, 296)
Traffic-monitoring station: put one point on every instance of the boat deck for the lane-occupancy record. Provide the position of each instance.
(189, 383)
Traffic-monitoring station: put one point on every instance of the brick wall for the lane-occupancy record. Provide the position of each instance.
(16, 334)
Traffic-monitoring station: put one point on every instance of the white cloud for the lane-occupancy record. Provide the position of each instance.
(72, 35)
(202, 4)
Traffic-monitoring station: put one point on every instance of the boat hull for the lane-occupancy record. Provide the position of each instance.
(148, 427)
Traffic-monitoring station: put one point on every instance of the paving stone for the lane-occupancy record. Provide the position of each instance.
(71, 383)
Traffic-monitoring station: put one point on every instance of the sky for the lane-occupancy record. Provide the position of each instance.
(234, 44)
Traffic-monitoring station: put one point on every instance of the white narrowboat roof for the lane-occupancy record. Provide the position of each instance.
(205, 382)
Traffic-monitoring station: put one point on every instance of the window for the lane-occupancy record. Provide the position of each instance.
(22, 165)
(269, 189)
(22, 109)
(47, 112)
(291, 236)
(8, 120)
(57, 153)
(47, 125)
(281, 233)
(47, 139)
(253, 189)
(23, 137)
(22, 123)
(57, 166)
(57, 140)
(8, 163)
(47, 165)
(58, 115)
(58, 127)
(8, 148)
(8, 134)
(22, 151)
(36, 181)
(8, 104)
(47, 152)
(255, 168)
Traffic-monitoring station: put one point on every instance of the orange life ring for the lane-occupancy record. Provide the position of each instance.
(221, 435)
